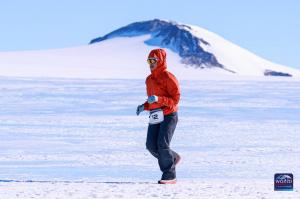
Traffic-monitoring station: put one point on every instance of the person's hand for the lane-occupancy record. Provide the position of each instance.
(139, 109)
(152, 99)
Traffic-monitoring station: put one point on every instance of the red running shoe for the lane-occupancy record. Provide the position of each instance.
(177, 159)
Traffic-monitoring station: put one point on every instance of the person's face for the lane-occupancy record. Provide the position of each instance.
(152, 61)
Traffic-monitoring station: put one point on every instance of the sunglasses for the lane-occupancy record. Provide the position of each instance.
(152, 60)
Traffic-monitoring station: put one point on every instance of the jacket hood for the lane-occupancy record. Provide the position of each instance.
(161, 55)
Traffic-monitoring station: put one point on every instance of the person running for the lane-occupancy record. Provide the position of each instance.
(163, 97)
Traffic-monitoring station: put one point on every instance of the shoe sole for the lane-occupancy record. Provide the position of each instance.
(169, 182)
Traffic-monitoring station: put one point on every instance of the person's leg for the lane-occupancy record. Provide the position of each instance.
(166, 157)
(152, 135)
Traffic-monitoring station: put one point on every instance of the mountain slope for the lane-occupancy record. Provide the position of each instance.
(177, 38)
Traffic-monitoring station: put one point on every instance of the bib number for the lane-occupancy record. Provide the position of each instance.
(156, 116)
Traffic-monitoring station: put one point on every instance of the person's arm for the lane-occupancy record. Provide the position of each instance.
(146, 106)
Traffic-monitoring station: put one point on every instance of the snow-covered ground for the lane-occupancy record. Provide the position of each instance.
(80, 138)
(198, 189)
(118, 58)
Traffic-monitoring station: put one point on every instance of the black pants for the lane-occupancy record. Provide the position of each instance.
(158, 143)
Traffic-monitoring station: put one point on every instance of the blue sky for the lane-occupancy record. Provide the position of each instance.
(268, 28)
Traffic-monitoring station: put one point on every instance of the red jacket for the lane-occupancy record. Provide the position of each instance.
(162, 84)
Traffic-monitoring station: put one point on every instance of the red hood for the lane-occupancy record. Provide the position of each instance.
(161, 55)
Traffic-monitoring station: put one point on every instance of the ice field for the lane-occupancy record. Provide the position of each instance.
(80, 138)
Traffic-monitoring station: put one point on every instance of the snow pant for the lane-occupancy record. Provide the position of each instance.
(158, 143)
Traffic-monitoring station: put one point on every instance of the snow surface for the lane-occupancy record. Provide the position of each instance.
(80, 138)
(198, 189)
(118, 58)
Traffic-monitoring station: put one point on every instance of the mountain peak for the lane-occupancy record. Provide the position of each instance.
(199, 48)
(170, 35)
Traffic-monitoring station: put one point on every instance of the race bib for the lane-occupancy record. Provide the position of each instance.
(156, 116)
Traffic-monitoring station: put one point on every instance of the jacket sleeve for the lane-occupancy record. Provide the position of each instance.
(173, 91)
(146, 104)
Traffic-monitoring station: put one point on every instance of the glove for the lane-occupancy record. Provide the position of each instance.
(152, 99)
(139, 109)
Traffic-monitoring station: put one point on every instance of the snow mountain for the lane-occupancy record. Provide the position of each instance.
(175, 37)
(198, 47)
(192, 53)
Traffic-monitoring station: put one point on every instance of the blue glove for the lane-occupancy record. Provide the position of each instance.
(139, 109)
(152, 99)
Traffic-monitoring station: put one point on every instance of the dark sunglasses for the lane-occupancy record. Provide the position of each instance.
(152, 60)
